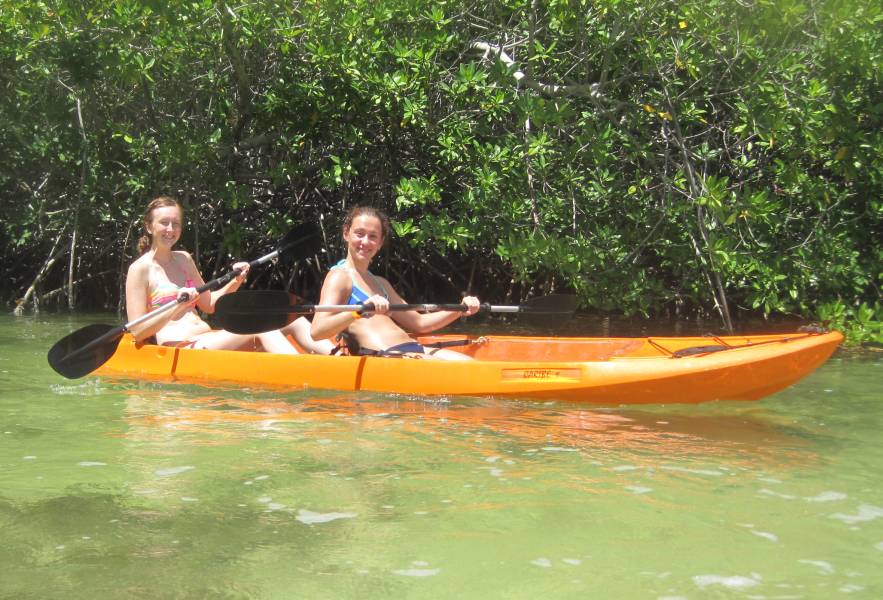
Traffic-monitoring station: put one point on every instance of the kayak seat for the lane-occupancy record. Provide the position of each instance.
(347, 345)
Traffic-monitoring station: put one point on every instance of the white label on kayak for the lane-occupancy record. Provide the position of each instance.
(535, 374)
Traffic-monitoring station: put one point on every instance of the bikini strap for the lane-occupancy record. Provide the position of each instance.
(379, 284)
(342, 264)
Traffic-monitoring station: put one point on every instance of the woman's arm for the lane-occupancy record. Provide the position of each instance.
(208, 299)
(137, 288)
(420, 323)
(335, 290)
(136, 291)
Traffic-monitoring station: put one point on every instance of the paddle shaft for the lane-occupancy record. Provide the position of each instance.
(368, 307)
(308, 309)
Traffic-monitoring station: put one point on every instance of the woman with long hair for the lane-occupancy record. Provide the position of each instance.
(365, 229)
(162, 274)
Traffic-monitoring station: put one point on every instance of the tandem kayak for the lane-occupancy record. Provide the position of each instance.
(586, 370)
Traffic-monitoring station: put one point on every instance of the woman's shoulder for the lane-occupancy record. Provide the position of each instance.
(339, 269)
(183, 259)
(337, 274)
(140, 265)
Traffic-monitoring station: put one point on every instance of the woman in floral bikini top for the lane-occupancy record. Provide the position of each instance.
(161, 275)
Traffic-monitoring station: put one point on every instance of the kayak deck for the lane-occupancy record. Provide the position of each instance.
(589, 370)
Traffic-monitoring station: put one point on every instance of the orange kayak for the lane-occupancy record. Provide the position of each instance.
(585, 370)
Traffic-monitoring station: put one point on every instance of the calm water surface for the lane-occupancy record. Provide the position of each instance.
(127, 489)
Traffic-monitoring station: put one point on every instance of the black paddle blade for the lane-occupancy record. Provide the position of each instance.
(553, 303)
(84, 350)
(301, 242)
(253, 311)
(551, 311)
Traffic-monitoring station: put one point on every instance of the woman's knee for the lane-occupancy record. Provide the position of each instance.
(225, 340)
(300, 331)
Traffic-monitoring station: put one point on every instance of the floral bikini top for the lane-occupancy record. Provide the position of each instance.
(166, 292)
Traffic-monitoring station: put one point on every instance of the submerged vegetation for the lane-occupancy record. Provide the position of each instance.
(657, 158)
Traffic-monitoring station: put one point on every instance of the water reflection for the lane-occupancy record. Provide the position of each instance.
(730, 431)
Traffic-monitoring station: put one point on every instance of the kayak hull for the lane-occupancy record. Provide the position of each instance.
(585, 370)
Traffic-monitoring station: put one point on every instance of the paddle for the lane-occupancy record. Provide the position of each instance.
(86, 349)
(255, 311)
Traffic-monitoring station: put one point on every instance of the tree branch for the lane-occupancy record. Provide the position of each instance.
(47, 264)
(588, 90)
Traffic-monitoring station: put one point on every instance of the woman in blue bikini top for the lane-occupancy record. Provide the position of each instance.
(350, 282)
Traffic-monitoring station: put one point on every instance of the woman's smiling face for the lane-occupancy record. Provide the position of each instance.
(165, 226)
(364, 237)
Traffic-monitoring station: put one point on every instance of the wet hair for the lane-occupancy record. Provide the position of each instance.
(367, 211)
(144, 241)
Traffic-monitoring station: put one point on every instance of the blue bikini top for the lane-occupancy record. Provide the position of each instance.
(357, 294)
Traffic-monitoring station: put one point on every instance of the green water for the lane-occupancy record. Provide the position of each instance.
(126, 489)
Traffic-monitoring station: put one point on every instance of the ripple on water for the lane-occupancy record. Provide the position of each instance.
(172, 471)
(827, 496)
(418, 568)
(271, 506)
(733, 582)
(91, 387)
(769, 492)
(766, 535)
(688, 470)
(624, 468)
(824, 567)
(312, 518)
(866, 512)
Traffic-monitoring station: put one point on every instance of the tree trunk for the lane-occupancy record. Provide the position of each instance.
(697, 189)
(70, 265)
(47, 264)
(528, 163)
(71, 301)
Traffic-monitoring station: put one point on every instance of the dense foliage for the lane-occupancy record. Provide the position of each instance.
(655, 157)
